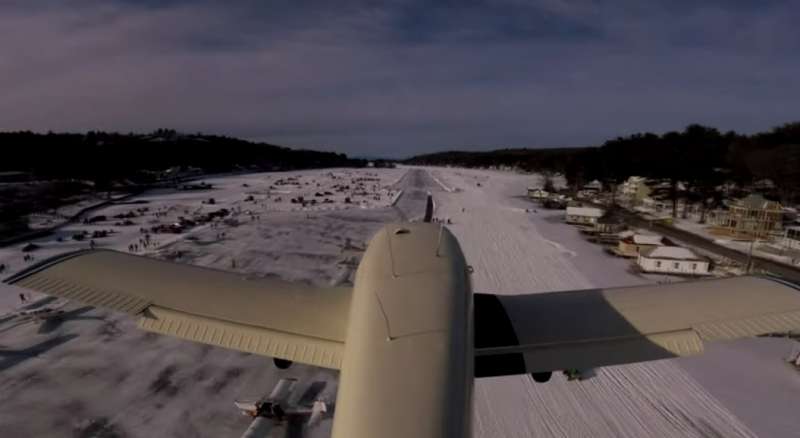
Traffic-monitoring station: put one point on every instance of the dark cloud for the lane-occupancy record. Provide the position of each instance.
(399, 77)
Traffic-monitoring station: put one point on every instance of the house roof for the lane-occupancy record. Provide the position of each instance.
(671, 253)
(756, 202)
(585, 211)
(647, 239)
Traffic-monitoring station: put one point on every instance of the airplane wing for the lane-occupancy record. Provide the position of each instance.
(518, 334)
(271, 317)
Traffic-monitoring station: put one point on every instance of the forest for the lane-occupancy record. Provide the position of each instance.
(701, 156)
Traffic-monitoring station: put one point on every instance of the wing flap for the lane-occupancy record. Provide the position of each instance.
(250, 339)
(722, 330)
(67, 288)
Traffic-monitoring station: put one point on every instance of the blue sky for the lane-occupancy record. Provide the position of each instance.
(397, 78)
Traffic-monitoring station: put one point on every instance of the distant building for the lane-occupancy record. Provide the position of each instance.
(583, 215)
(595, 186)
(752, 216)
(633, 245)
(633, 191)
(672, 260)
(655, 204)
(587, 194)
(537, 193)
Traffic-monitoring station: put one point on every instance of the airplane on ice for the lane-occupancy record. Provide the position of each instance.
(275, 409)
(43, 313)
(410, 336)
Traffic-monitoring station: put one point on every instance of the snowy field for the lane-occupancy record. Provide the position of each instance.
(95, 374)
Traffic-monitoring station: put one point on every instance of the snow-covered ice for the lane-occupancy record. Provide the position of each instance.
(96, 374)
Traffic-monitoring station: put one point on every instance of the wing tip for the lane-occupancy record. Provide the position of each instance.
(44, 264)
(782, 280)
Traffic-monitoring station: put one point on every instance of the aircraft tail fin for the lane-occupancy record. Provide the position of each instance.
(429, 209)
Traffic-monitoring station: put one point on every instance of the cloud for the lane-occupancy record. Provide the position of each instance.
(402, 77)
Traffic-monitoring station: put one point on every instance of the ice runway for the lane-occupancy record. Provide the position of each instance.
(514, 252)
(102, 377)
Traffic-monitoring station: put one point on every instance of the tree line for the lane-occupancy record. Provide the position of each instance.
(701, 156)
(111, 157)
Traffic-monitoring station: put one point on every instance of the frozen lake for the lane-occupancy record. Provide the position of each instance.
(95, 374)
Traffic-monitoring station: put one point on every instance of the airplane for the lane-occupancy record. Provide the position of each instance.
(411, 336)
(275, 409)
(43, 313)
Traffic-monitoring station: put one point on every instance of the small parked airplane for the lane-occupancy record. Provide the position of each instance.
(43, 313)
(275, 409)
(411, 336)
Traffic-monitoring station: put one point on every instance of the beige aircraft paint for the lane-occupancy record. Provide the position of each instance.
(407, 368)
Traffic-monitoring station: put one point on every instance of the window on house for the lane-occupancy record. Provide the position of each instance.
(675, 265)
(658, 264)
(694, 266)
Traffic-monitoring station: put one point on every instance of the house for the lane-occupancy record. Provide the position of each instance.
(583, 215)
(537, 194)
(791, 238)
(633, 190)
(633, 245)
(752, 216)
(655, 204)
(673, 260)
(609, 223)
(559, 202)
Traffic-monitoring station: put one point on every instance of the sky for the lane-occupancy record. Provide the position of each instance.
(399, 77)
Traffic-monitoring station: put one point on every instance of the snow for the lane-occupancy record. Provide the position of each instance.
(670, 252)
(96, 374)
(99, 374)
(647, 239)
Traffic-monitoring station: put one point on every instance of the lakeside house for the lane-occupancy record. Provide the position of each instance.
(633, 245)
(791, 238)
(583, 215)
(751, 217)
(672, 260)
(537, 194)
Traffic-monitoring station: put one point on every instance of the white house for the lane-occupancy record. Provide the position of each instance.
(672, 260)
(583, 215)
(537, 193)
(791, 237)
(633, 190)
